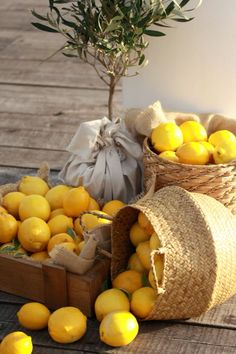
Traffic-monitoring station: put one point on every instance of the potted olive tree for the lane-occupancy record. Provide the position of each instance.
(111, 35)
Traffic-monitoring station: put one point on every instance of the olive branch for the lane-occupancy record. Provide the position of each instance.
(111, 35)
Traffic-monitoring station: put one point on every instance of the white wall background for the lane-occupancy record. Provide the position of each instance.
(192, 68)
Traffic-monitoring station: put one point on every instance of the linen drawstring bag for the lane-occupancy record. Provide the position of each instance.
(106, 159)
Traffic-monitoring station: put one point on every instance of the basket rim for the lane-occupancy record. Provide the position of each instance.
(210, 165)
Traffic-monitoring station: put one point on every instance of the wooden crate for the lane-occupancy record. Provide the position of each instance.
(51, 284)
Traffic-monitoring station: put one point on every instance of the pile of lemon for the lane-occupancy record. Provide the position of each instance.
(188, 143)
(36, 218)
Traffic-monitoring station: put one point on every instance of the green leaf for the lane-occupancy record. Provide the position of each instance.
(43, 27)
(141, 60)
(40, 17)
(153, 33)
(71, 232)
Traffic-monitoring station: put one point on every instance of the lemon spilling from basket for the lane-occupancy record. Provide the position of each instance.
(189, 143)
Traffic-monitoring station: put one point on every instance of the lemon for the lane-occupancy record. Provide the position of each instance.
(40, 256)
(129, 280)
(57, 239)
(75, 201)
(8, 227)
(166, 136)
(33, 185)
(142, 301)
(77, 227)
(33, 315)
(11, 202)
(60, 224)
(154, 242)
(93, 204)
(34, 234)
(159, 268)
(34, 205)
(89, 221)
(56, 212)
(138, 234)
(110, 300)
(144, 223)
(3, 210)
(193, 131)
(67, 325)
(135, 264)
(225, 152)
(210, 148)
(193, 153)
(220, 136)
(169, 155)
(112, 207)
(56, 195)
(143, 251)
(118, 328)
(69, 246)
(16, 343)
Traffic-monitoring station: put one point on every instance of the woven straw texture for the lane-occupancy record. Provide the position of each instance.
(217, 181)
(198, 239)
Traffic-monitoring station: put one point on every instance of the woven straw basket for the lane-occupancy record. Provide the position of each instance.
(198, 240)
(217, 181)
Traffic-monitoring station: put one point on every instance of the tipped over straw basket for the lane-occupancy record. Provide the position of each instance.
(217, 181)
(198, 241)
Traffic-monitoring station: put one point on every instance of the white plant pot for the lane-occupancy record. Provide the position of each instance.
(192, 68)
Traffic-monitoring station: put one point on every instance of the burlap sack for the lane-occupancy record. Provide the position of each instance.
(106, 159)
(97, 243)
(197, 236)
(218, 181)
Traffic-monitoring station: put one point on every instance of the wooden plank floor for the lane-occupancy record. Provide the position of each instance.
(41, 106)
(41, 102)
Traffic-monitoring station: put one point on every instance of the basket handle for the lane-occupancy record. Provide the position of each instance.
(161, 250)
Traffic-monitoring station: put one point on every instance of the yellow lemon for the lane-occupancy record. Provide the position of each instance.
(3, 210)
(154, 242)
(34, 205)
(75, 201)
(56, 195)
(69, 246)
(118, 328)
(67, 325)
(93, 204)
(40, 256)
(34, 234)
(225, 152)
(220, 136)
(77, 227)
(166, 136)
(11, 202)
(33, 185)
(129, 280)
(56, 212)
(112, 207)
(142, 301)
(110, 300)
(138, 234)
(60, 224)
(143, 251)
(57, 239)
(193, 153)
(159, 268)
(210, 148)
(169, 155)
(33, 315)
(16, 343)
(135, 264)
(193, 131)
(89, 221)
(145, 223)
(8, 227)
